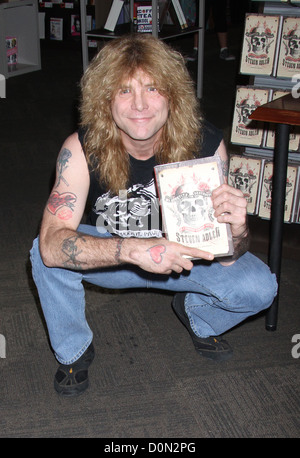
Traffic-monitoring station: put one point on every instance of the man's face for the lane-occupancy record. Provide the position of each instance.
(139, 110)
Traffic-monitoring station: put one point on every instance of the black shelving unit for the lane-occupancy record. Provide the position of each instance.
(168, 32)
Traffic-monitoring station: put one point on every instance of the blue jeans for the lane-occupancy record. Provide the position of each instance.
(218, 297)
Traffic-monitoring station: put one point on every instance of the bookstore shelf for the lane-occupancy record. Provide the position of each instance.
(268, 170)
(168, 32)
(255, 164)
(19, 37)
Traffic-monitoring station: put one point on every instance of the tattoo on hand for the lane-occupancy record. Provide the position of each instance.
(156, 253)
(62, 165)
(57, 202)
(71, 250)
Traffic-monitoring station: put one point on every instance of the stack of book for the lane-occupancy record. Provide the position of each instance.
(257, 133)
(253, 176)
(271, 46)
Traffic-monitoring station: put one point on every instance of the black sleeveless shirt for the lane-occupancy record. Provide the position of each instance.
(135, 211)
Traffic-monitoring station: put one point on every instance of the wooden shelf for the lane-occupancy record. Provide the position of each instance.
(284, 110)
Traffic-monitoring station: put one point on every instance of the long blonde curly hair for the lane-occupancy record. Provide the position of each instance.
(117, 62)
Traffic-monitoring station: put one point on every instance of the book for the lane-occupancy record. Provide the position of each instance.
(259, 44)
(11, 50)
(142, 17)
(296, 203)
(185, 189)
(179, 14)
(56, 28)
(75, 25)
(113, 15)
(266, 193)
(245, 175)
(244, 130)
(289, 53)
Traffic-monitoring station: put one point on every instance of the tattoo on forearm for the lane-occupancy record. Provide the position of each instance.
(156, 253)
(71, 250)
(62, 165)
(224, 166)
(240, 245)
(61, 205)
(118, 250)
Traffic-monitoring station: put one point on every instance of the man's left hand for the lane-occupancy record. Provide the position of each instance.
(230, 207)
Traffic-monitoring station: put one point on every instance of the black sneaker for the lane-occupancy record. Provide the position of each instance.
(224, 55)
(212, 347)
(193, 56)
(72, 379)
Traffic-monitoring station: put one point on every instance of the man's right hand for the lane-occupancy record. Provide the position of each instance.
(159, 255)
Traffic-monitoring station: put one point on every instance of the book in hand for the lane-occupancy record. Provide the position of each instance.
(185, 190)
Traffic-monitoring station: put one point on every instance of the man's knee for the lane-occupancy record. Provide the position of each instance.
(259, 292)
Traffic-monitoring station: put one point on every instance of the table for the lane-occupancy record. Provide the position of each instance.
(284, 112)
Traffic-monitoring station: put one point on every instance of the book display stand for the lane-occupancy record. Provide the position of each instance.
(19, 38)
(266, 122)
(109, 28)
(271, 58)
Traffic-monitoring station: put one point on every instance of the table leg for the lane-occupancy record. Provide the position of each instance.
(277, 216)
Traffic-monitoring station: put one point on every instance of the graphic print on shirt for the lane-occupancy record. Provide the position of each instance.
(133, 213)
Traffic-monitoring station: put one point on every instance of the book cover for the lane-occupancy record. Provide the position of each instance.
(245, 174)
(244, 130)
(75, 25)
(266, 193)
(259, 44)
(289, 53)
(11, 50)
(185, 190)
(113, 15)
(56, 28)
(142, 17)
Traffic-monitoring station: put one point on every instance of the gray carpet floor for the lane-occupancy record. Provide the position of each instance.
(147, 381)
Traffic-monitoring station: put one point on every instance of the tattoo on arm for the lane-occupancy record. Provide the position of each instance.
(62, 165)
(240, 246)
(118, 250)
(224, 166)
(62, 204)
(156, 253)
(71, 250)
